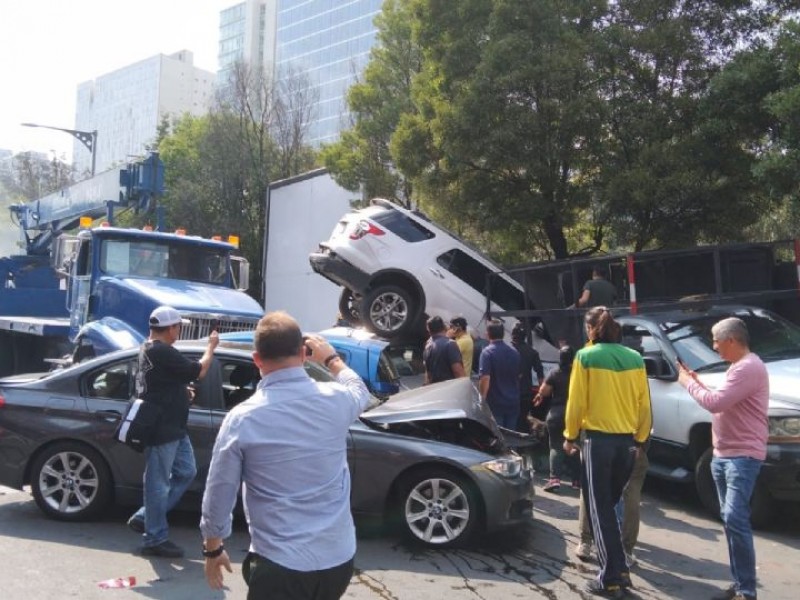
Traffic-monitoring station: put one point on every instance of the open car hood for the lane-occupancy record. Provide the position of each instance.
(450, 411)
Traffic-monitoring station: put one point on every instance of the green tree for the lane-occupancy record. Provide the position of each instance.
(778, 167)
(557, 127)
(29, 175)
(666, 161)
(219, 167)
(507, 113)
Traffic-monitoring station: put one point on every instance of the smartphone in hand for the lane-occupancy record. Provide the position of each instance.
(309, 351)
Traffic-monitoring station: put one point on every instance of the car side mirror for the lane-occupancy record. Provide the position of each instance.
(658, 368)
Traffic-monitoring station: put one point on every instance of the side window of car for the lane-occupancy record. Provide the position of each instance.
(474, 274)
(645, 343)
(403, 226)
(239, 382)
(640, 339)
(466, 268)
(114, 382)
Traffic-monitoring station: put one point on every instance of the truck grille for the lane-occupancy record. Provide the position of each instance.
(200, 326)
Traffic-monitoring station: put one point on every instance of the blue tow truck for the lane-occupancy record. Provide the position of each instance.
(73, 294)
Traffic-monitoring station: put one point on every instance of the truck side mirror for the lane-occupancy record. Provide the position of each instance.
(241, 273)
(658, 368)
(62, 254)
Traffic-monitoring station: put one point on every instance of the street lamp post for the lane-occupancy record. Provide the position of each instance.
(87, 138)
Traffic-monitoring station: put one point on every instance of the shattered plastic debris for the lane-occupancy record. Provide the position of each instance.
(119, 582)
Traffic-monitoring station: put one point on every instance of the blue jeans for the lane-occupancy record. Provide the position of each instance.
(506, 416)
(169, 469)
(735, 479)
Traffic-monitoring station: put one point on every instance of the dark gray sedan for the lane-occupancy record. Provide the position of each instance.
(431, 460)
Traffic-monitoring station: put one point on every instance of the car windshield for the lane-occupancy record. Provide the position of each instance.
(771, 337)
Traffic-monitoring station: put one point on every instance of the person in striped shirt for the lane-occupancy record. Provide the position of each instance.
(609, 405)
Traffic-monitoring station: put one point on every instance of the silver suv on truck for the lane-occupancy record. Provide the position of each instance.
(680, 447)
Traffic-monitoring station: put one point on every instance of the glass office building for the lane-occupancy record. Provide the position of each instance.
(329, 41)
(246, 33)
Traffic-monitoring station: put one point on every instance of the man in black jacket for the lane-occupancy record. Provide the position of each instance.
(163, 377)
(529, 362)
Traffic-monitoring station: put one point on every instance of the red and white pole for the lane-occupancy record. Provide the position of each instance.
(632, 283)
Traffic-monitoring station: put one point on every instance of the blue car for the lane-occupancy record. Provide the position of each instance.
(363, 352)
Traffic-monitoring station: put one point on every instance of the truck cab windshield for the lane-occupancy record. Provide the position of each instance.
(164, 260)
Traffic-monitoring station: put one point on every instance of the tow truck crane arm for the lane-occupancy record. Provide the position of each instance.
(137, 186)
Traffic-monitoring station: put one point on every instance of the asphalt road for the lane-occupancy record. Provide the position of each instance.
(682, 555)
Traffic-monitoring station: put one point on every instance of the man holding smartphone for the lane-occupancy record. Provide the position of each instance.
(302, 534)
(739, 435)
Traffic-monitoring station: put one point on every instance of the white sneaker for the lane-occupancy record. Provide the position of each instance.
(631, 560)
(583, 551)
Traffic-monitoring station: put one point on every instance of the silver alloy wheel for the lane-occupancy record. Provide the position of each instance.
(388, 311)
(437, 511)
(68, 482)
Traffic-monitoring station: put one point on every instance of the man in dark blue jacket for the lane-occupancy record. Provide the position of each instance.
(498, 373)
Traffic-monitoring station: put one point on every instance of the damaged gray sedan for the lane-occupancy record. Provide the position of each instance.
(431, 461)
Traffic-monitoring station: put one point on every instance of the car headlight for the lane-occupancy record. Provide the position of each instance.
(784, 429)
(507, 466)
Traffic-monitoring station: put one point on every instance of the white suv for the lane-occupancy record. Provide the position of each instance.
(680, 446)
(397, 267)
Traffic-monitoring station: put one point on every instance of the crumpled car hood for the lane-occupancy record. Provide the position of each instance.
(448, 400)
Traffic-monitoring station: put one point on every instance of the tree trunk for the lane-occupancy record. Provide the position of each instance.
(555, 235)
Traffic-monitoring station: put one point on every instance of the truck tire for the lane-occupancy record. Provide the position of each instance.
(704, 482)
(349, 307)
(762, 504)
(762, 507)
(70, 481)
(388, 311)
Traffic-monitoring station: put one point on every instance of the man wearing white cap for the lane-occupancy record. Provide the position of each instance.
(164, 374)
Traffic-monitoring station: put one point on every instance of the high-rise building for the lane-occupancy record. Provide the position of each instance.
(329, 40)
(246, 33)
(126, 106)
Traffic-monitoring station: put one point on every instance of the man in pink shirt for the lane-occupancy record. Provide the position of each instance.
(739, 435)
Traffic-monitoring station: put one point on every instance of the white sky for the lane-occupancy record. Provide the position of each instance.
(48, 47)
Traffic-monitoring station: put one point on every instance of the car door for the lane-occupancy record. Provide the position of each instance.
(227, 366)
(107, 391)
(208, 401)
(665, 393)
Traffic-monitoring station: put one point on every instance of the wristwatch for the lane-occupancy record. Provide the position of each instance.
(213, 553)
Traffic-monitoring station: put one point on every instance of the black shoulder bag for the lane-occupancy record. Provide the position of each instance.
(140, 423)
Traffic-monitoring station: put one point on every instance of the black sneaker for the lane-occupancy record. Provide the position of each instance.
(166, 549)
(626, 580)
(136, 524)
(728, 594)
(606, 591)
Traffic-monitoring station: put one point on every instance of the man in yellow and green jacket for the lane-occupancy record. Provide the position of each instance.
(609, 401)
